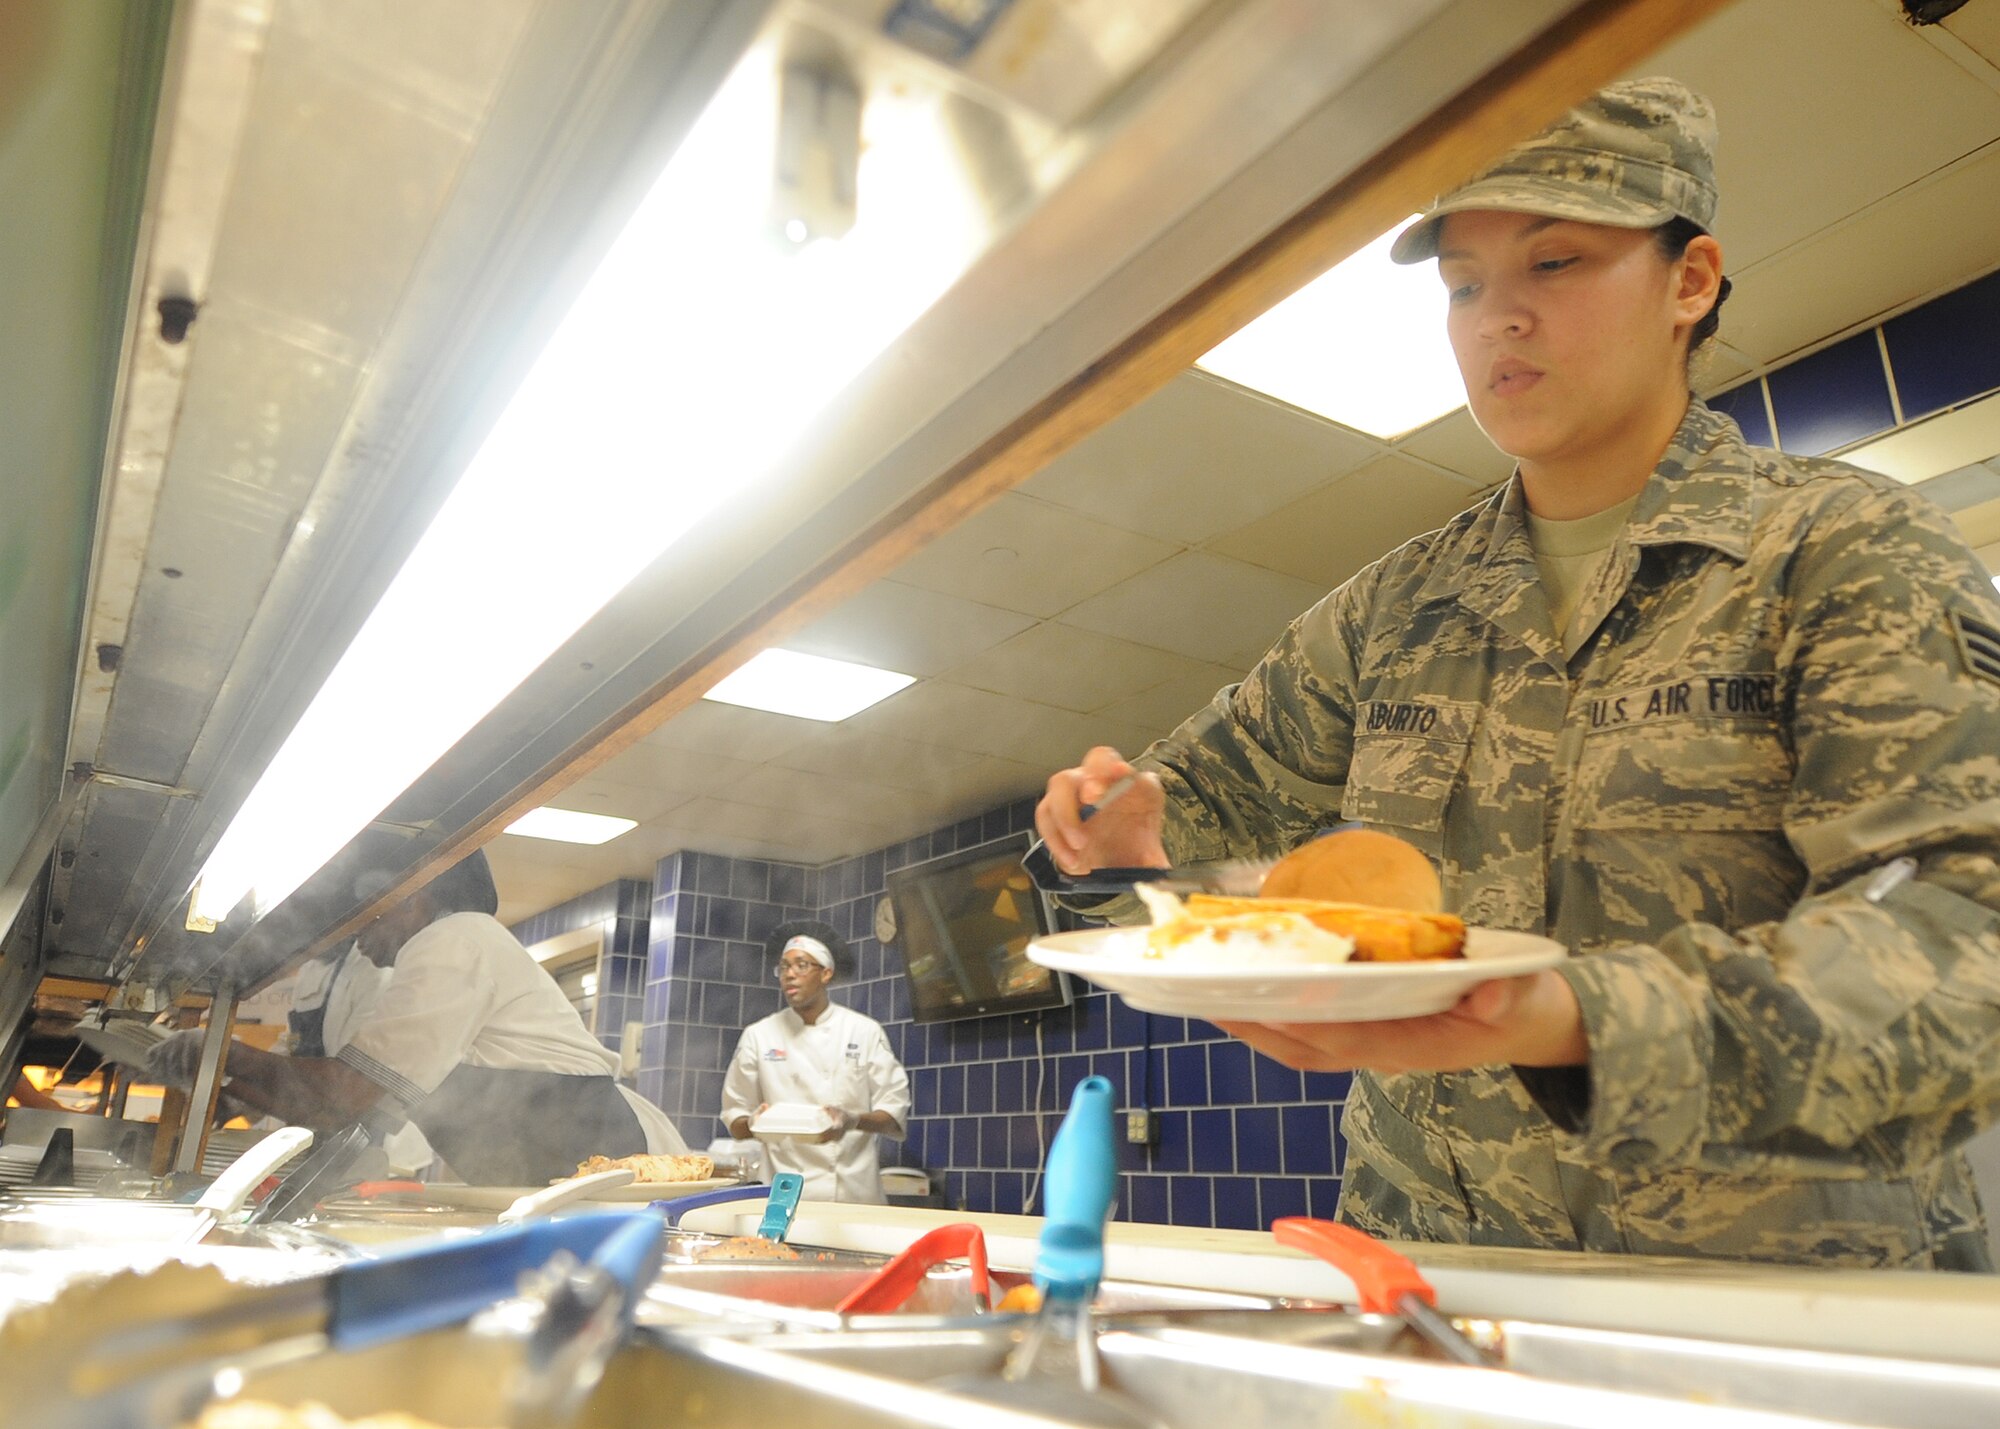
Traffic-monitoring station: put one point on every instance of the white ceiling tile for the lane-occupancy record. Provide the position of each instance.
(1081, 670)
(811, 795)
(1199, 457)
(1455, 442)
(651, 765)
(1978, 26)
(712, 819)
(1025, 555)
(1870, 266)
(1161, 709)
(1823, 106)
(940, 712)
(1721, 366)
(1202, 605)
(1979, 524)
(733, 732)
(1050, 739)
(887, 760)
(606, 793)
(1326, 537)
(901, 627)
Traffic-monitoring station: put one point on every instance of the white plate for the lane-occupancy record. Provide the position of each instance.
(1114, 958)
(499, 1198)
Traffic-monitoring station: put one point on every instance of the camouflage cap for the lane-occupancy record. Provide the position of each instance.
(1633, 155)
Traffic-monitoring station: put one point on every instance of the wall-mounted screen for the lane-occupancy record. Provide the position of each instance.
(963, 923)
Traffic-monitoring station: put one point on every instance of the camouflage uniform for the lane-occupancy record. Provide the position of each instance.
(1792, 676)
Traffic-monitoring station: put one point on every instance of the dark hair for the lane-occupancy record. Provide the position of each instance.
(843, 958)
(466, 887)
(1673, 237)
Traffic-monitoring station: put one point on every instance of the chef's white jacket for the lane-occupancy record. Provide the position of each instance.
(843, 1060)
(464, 990)
(348, 987)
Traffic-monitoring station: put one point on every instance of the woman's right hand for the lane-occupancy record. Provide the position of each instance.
(1125, 834)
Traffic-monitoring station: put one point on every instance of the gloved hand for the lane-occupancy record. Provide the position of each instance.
(843, 1122)
(173, 1062)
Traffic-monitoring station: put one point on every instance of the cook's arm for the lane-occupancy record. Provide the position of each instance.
(1852, 1033)
(740, 1095)
(318, 1092)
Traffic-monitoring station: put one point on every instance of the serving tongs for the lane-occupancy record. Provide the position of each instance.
(1055, 1369)
(1386, 1282)
(145, 1349)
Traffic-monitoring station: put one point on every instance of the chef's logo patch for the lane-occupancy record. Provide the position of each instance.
(853, 1051)
(774, 1054)
(1749, 696)
(1979, 643)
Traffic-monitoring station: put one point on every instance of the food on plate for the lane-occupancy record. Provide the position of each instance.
(1357, 866)
(1296, 930)
(259, 1414)
(644, 1168)
(1244, 933)
(748, 1247)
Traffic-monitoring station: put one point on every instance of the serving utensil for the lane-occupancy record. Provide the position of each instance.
(1055, 1370)
(586, 1313)
(1386, 1281)
(887, 1289)
(144, 1349)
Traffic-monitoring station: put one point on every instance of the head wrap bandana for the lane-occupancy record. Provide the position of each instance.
(812, 948)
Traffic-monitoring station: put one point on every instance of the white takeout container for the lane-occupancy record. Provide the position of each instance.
(791, 1119)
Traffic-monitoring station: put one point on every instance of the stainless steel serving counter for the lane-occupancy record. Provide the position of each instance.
(1194, 1325)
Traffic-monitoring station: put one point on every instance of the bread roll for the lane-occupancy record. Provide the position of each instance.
(1357, 866)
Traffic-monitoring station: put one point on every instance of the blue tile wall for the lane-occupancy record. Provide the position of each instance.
(1948, 350)
(1242, 1139)
(621, 972)
(1833, 398)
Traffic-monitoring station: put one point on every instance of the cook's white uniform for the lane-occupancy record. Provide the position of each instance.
(344, 990)
(464, 990)
(842, 1060)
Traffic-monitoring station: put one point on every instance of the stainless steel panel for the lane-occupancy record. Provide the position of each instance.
(1910, 1394)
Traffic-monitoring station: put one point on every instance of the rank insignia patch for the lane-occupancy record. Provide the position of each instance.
(1979, 643)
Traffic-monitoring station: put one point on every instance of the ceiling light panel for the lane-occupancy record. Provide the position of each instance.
(614, 418)
(570, 826)
(789, 682)
(1364, 344)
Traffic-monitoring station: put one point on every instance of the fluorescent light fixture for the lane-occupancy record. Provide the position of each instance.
(787, 682)
(682, 379)
(570, 826)
(1363, 343)
(1996, 582)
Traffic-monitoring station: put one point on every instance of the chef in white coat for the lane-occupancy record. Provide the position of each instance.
(816, 1052)
(470, 1039)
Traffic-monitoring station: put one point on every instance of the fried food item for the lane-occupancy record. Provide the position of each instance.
(748, 1247)
(1357, 866)
(1246, 932)
(1379, 935)
(259, 1414)
(644, 1168)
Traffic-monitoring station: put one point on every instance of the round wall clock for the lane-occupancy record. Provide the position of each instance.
(885, 920)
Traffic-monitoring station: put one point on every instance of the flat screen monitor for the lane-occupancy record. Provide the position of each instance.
(963, 923)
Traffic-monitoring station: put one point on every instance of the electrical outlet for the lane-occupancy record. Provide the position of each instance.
(1142, 1126)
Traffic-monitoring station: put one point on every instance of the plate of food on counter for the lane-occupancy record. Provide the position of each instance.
(1376, 950)
(654, 1178)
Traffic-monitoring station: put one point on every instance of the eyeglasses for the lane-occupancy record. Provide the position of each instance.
(797, 965)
